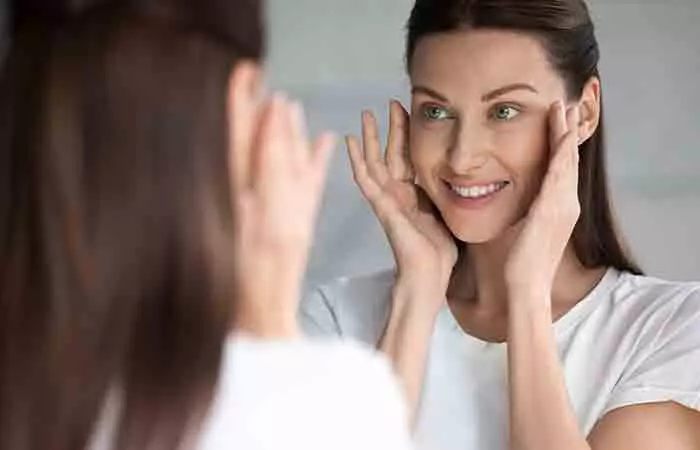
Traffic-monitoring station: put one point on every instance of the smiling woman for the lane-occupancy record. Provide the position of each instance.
(515, 316)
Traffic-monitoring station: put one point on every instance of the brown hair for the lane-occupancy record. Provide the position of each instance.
(565, 29)
(113, 184)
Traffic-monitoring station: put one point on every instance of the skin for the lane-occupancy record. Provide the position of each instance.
(487, 107)
(277, 182)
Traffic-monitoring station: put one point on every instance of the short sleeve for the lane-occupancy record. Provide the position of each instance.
(355, 309)
(670, 369)
(317, 317)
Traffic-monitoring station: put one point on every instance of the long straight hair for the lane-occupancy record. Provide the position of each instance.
(114, 193)
(566, 32)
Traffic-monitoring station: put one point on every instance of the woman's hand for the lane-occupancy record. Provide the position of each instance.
(541, 415)
(276, 197)
(423, 248)
(546, 230)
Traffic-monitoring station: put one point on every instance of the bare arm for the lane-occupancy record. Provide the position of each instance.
(423, 248)
(540, 412)
(666, 425)
(406, 340)
(542, 417)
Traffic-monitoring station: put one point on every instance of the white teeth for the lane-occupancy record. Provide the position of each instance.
(477, 191)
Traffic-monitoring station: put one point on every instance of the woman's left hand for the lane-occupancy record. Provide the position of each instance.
(277, 189)
(548, 226)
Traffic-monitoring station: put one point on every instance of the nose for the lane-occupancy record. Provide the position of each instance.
(468, 147)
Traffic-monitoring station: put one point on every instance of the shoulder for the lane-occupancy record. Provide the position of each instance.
(659, 341)
(653, 300)
(351, 307)
(303, 360)
(304, 394)
(644, 312)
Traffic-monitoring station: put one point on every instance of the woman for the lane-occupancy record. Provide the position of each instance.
(515, 317)
(156, 209)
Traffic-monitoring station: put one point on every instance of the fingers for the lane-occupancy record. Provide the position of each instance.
(299, 139)
(303, 158)
(566, 154)
(372, 148)
(370, 169)
(272, 155)
(558, 126)
(573, 117)
(560, 184)
(364, 180)
(397, 158)
(281, 149)
(563, 132)
(572, 145)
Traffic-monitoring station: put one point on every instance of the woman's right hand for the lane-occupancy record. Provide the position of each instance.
(423, 247)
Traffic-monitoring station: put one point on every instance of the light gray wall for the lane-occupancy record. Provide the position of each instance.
(340, 56)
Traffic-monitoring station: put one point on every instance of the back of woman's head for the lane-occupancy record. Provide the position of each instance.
(114, 216)
(566, 33)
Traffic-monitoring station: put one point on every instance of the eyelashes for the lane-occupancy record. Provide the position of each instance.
(432, 113)
(500, 112)
(505, 112)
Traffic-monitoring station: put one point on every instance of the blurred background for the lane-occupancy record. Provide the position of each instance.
(340, 56)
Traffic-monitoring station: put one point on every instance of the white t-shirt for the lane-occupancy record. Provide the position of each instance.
(632, 340)
(298, 395)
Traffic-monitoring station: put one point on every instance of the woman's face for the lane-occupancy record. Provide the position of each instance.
(479, 126)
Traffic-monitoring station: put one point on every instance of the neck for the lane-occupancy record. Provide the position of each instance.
(478, 278)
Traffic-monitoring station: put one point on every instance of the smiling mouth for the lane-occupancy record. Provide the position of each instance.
(477, 191)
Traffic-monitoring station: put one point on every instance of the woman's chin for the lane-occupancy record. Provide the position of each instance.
(473, 234)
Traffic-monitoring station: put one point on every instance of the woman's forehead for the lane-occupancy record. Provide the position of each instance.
(481, 60)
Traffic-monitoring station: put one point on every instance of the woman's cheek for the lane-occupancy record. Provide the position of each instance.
(521, 147)
(425, 151)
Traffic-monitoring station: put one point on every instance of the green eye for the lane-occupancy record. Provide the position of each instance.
(505, 112)
(435, 113)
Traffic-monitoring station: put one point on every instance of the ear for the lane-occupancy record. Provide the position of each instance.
(589, 107)
(244, 97)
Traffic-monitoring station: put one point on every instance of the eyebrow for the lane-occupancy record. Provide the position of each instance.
(484, 98)
(506, 89)
(429, 92)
